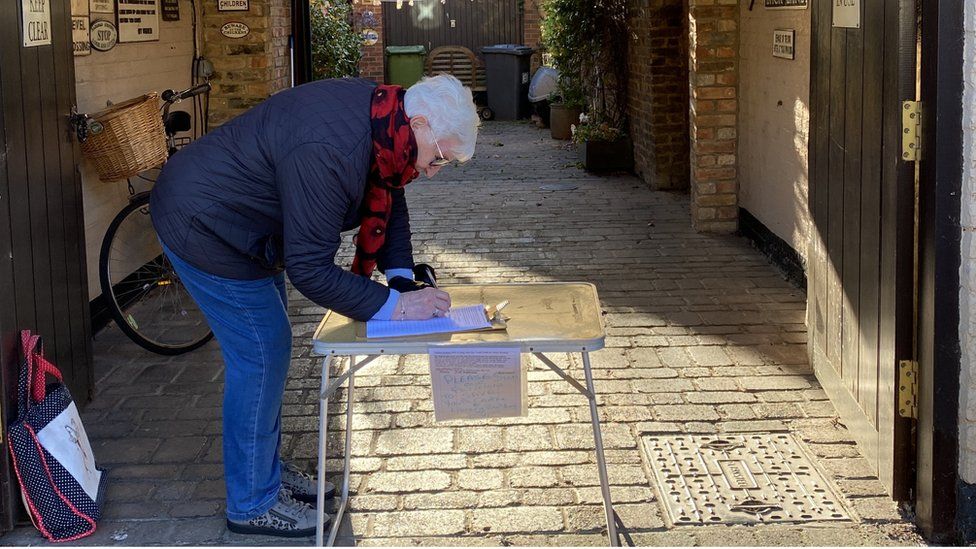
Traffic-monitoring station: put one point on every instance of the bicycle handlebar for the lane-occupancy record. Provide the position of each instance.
(171, 96)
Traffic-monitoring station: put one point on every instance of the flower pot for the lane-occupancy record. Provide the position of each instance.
(607, 156)
(561, 117)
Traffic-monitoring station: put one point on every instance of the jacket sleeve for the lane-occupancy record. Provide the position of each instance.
(314, 203)
(397, 252)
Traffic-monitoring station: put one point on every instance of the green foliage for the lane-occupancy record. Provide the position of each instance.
(589, 131)
(336, 44)
(587, 40)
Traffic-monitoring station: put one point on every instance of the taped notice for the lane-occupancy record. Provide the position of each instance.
(477, 382)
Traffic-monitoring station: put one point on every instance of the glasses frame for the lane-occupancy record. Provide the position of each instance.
(439, 160)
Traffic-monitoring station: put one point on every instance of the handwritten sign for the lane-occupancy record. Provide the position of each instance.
(477, 383)
(847, 14)
(783, 43)
(37, 23)
(138, 20)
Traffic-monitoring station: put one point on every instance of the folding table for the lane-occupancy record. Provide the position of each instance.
(541, 318)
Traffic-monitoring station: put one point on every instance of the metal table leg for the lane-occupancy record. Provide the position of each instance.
(601, 461)
(323, 423)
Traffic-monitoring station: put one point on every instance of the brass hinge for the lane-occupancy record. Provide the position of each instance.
(911, 130)
(908, 389)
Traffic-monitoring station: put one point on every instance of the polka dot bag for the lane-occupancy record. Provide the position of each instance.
(59, 481)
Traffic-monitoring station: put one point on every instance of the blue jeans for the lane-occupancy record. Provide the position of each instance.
(249, 318)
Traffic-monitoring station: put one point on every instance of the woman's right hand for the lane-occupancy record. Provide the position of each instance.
(422, 304)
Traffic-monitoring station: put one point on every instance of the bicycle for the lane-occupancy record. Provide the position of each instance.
(140, 288)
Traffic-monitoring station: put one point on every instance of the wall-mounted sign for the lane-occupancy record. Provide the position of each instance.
(235, 29)
(102, 6)
(171, 10)
(104, 35)
(138, 20)
(786, 4)
(370, 37)
(847, 13)
(232, 5)
(783, 43)
(79, 36)
(37, 23)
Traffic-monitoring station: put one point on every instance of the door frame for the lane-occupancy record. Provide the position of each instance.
(940, 186)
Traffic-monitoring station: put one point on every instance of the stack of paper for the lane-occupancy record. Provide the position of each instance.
(461, 319)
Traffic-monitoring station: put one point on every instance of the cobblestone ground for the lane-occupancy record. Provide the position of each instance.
(703, 336)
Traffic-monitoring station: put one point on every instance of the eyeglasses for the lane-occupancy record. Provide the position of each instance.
(439, 160)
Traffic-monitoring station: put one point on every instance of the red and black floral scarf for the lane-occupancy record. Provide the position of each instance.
(393, 166)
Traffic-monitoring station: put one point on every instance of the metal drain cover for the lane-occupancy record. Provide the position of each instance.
(739, 479)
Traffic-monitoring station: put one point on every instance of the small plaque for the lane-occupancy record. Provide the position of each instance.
(102, 6)
(370, 37)
(784, 43)
(104, 35)
(235, 29)
(232, 5)
(786, 4)
(847, 14)
(138, 20)
(80, 39)
(171, 10)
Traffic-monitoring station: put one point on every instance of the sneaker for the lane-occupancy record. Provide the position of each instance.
(288, 519)
(303, 486)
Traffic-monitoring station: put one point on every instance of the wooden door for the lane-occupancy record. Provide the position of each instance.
(861, 199)
(476, 23)
(43, 275)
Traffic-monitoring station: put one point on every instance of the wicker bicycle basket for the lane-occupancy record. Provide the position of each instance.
(132, 139)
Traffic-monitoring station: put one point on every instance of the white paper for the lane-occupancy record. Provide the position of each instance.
(138, 20)
(477, 382)
(461, 319)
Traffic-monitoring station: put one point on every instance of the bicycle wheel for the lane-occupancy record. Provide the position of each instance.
(141, 289)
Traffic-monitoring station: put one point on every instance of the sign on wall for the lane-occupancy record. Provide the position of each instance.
(786, 4)
(138, 20)
(370, 37)
(232, 5)
(79, 28)
(171, 10)
(102, 6)
(235, 29)
(847, 14)
(784, 43)
(37, 22)
(104, 35)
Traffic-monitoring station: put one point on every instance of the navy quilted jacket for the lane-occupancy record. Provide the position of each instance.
(274, 188)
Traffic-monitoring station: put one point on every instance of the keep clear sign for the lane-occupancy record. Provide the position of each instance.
(477, 382)
(37, 22)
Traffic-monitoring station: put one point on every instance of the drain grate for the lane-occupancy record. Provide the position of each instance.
(740, 479)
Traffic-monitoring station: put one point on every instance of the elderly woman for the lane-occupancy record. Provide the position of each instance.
(269, 193)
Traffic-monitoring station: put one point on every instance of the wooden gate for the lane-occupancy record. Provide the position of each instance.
(469, 23)
(861, 265)
(43, 275)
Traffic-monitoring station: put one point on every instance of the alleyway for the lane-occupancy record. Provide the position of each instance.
(703, 336)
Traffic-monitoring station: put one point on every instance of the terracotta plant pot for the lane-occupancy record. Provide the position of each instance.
(561, 117)
(607, 156)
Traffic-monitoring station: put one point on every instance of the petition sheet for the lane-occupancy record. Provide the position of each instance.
(477, 382)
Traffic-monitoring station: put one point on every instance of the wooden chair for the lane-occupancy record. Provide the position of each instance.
(463, 64)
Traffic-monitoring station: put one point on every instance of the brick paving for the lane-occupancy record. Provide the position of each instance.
(703, 335)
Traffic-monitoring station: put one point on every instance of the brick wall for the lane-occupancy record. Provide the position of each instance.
(713, 78)
(371, 64)
(532, 30)
(246, 70)
(658, 92)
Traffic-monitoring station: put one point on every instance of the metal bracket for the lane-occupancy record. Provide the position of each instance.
(908, 389)
(911, 130)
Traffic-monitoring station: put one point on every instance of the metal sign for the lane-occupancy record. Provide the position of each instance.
(784, 43)
(104, 35)
(102, 6)
(171, 10)
(847, 14)
(370, 37)
(37, 22)
(786, 4)
(80, 40)
(232, 5)
(235, 29)
(138, 20)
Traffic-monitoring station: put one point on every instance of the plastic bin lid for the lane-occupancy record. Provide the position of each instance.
(510, 49)
(397, 50)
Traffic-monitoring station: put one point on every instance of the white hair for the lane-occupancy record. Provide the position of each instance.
(449, 109)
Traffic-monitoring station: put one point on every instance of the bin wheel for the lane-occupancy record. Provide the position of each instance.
(486, 113)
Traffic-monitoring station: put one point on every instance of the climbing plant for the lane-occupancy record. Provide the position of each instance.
(336, 43)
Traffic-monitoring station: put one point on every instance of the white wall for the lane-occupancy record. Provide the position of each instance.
(967, 275)
(774, 118)
(126, 71)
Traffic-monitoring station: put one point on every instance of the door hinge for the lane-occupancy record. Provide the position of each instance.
(908, 389)
(911, 130)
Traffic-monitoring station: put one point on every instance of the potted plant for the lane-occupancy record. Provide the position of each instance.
(565, 106)
(602, 147)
